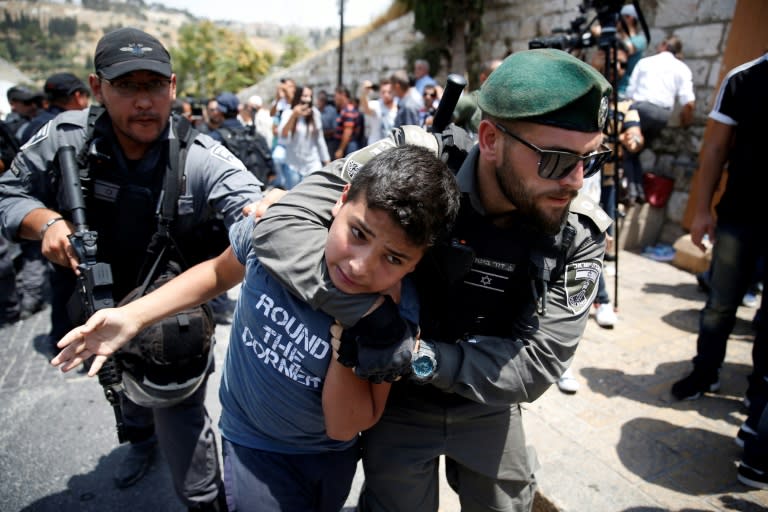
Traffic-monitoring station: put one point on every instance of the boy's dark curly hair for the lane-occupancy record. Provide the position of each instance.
(415, 187)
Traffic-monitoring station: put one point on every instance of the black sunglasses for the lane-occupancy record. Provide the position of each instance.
(556, 165)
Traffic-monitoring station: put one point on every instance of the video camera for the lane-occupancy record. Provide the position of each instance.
(565, 39)
(608, 14)
(198, 106)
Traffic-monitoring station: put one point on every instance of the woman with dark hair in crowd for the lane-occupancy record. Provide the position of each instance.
(301, 132)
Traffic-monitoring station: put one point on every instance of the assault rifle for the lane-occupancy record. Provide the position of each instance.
(94, 279)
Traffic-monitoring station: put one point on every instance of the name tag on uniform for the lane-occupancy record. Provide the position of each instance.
(489, 274)
(105, 191)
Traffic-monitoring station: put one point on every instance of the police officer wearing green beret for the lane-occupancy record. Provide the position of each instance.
(504, 300)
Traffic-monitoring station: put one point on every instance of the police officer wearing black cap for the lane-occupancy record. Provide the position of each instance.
(64, 91)
(25, 103)
(504, 300)
(228, 105)
(134, 82)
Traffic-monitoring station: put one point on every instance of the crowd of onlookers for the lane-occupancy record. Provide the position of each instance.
(305, 128)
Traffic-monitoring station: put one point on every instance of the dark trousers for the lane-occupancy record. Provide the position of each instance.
(9, 299)
(735, 255)
(602, 296)
(608, 202)
(653, 119)
(33, 272)
(186, 438)
(487, 461)
(261, 481)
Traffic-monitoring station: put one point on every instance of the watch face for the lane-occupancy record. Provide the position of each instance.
(423, 366)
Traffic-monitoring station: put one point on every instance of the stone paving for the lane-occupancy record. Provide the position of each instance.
(622, 443)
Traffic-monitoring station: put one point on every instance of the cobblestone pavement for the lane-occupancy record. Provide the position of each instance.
(622, 443)
(619, 444)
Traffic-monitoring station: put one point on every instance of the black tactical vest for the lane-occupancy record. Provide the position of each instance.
(485, 277)
(121, 206)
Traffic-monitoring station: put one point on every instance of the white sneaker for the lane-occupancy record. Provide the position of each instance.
(605, 316)
(568, 383)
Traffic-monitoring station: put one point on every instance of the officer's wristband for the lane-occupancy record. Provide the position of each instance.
(48, 225)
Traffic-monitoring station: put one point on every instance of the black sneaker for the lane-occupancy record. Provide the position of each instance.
(136, 463)
(752, 477)
(692, 386)
(745, 432)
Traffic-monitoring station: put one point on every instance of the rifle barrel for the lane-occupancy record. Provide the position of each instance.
(73, 193)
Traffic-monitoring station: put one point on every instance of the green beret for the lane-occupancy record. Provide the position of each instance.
(550, 87)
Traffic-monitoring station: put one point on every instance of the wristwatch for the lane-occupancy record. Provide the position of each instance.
(424, 364)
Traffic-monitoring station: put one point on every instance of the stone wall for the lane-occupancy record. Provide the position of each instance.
(508, 26)
(369, 56)
(702, 26)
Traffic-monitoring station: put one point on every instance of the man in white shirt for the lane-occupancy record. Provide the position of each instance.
(380, 113)
(262, 121)
(656, 83)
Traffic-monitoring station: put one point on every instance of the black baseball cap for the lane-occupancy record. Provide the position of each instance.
(63, 84)
(130, 49)
(23, 93)
(227, 102)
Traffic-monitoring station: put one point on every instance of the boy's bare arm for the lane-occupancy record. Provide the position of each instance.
(109, 329)
(350, 404)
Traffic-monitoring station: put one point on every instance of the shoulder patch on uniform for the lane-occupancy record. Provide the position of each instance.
(222, 153)
(41, 135)
(581, 284)
(588, 208)
(361, 157)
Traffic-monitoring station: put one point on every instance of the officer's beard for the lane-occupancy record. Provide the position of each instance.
(551, 220)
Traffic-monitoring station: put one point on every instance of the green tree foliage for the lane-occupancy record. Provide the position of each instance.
(64, 27)
(295, 49)
(211, 59)
(450, 28)
(96, 5)
(23, 42)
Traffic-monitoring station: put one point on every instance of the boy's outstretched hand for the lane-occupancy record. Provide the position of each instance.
(101, 336)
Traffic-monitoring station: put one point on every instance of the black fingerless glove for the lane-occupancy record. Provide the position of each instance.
(386, 363)
(380, 345)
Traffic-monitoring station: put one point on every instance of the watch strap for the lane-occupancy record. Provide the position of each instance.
(424, 365)
(48, 225)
